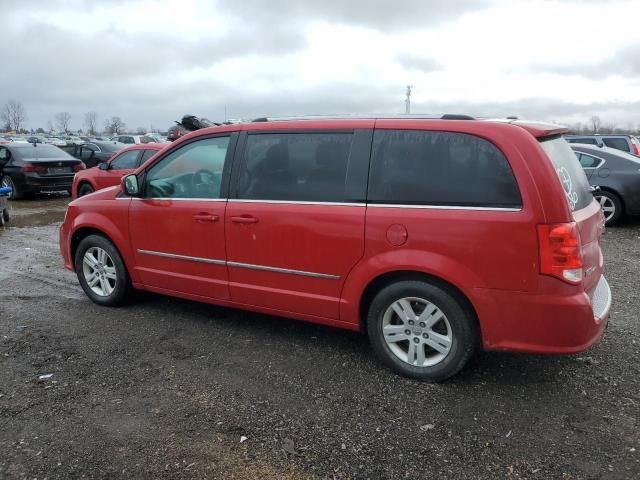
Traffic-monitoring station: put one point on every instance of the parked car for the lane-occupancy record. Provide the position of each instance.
(133, 139)
(175, 132)
(432, 236)
(625, 143)
(19, 140)
(34, 140)
(109, 173)
(30, 168)
(93, 153)
(58, 142)
(617, 176)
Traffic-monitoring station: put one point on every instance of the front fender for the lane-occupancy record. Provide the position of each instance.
(433, 264)
(110, 229)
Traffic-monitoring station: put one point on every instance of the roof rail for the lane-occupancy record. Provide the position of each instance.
(448, 116)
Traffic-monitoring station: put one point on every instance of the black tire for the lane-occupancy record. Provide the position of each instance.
(85, 189)
(122, 285)
(5, 215)
(15, 193)
(462, 328)
(614, 201)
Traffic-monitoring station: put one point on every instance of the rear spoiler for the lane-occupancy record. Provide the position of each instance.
(542, 130)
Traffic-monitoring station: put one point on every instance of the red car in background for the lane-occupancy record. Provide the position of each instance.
(107, 174)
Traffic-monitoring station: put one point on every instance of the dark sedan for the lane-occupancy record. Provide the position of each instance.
(93, 153)
(31, 168)
(617, 174)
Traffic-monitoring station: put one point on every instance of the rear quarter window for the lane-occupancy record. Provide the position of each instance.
(440, 169)
(570, 172)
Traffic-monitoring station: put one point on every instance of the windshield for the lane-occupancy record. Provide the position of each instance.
(41, 152)
(570, 172)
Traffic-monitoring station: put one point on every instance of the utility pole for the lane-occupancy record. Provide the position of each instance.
(407, 102)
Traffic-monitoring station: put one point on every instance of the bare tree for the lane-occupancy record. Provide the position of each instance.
(91, 122)
(595, 123)
(13, 115)
(115, 125)
(62, 121)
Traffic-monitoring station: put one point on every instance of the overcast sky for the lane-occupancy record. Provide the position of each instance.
(149, 62)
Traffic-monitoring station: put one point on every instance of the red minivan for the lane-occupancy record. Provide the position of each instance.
(435, 236)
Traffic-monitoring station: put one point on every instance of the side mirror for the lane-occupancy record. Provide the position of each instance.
(103, 166)
(130, 185)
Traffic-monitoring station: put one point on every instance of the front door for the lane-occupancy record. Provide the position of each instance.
(296, 225)
(177, 227)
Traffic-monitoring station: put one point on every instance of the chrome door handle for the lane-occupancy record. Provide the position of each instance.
(205, 218)
(244, 219)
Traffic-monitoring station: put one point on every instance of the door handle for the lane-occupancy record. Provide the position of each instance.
(205, 218)
(244, 219)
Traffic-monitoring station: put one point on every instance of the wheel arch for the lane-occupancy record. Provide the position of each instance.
(387, 278)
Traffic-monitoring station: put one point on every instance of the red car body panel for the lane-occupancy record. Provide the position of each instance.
(491, 257)
(99, 179)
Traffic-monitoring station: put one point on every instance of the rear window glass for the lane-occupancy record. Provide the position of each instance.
(572, 177)
(41, 152)
(617, 143)
(440, 169)
(590, 141)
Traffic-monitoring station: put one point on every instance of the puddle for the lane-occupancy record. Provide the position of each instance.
(43, 210)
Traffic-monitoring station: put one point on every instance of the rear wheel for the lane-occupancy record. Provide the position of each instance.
(85, 189)
(421, 330)
(101, 271)
(7, 181)
(611, 206)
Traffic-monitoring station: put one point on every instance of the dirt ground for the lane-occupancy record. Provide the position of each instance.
(166, 388)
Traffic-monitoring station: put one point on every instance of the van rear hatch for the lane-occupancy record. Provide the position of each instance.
(586, 212)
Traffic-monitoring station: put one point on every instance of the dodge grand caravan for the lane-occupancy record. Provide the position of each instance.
(435, 237)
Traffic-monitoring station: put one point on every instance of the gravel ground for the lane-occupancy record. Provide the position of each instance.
(166, 388)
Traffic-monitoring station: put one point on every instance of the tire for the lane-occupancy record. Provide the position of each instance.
(5, 216)
(85, 189)
(451, 322)
(111, 284)
(7, 181)
(611, 205)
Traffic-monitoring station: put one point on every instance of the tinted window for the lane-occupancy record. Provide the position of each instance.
(439, 168)
(572, 177)
(192, 171)
(617, 143)
(42, 152)
(127, 160)
(587, 161)
(111, 147)
(589, 141)
(295, 166)
(86, 152)
(146, 155)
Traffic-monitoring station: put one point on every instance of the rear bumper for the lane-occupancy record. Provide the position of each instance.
(547, 324)
(37, 183)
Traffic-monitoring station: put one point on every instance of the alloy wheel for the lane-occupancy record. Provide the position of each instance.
(417, 331)
(99, 271)
(607, 205)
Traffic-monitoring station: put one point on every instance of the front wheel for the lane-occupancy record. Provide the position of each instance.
(611, 206)
(421, 330)
(101, 271)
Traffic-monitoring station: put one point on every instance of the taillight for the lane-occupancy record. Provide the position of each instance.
(560, 251)
(635, 148)
(30, 167)
(79, 166)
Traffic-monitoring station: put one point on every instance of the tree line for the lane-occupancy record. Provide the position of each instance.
(13, 117)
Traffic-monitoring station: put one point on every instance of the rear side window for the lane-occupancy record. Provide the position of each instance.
(295, 167)
(146, 155)
(587, 161)
(126, 161)
(441, 169)
(617, 143)
(572, 177)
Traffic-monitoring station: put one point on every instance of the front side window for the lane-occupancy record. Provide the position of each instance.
(295, 167)
(192, 171)
(440, 169)
(126, 161)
